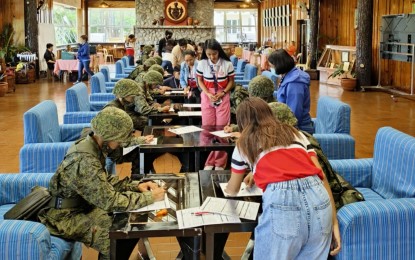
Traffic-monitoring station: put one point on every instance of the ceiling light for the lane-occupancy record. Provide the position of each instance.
(104, 5)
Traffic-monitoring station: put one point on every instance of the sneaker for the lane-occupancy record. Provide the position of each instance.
(217, 168)
(208, 168)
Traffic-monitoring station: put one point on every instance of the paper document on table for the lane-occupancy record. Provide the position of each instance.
(189, 113)
(243, 209)
(166, 93)
(177, 91)
(244, 191)
(127, 150)
(164, 204)
(193, 217)
(221, 133)
(193, 105)
(185, 130)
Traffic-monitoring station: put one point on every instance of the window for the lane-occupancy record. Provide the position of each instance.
(64, 19)
(110, 24)
(236, 25)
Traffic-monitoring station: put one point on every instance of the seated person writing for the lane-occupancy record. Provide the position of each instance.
(94, 195)
(173, 82)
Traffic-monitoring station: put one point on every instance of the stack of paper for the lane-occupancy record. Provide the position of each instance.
(244, 191)
(185, 130)
(217, 211)
(221, 133)
(164, 204)
(193, 105)
(189, 113)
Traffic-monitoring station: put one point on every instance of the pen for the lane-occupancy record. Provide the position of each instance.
(200, 213)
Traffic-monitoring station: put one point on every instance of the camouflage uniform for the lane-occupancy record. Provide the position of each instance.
(238, 94)
(151, 78)
(158, 60)
(157, 68)
(135, 72)
(284, 114)
(262, 87)
(146, 53)
(82, 176)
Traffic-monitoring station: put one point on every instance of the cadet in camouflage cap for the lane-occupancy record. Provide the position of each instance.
(283, 113)
(113, 124)
(147, 49)
(157, 68)
(149, 62)
(158, 60)
(126, 87)
(153, 78)
(261, 87)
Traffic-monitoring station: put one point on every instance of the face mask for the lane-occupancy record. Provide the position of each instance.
(273, 71)
(106, 149)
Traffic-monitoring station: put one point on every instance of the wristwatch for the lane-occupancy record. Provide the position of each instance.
(224, 91)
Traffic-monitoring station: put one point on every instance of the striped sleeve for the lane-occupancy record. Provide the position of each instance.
(238, 164)
(230, 69)
(201, 67)
(307, 144)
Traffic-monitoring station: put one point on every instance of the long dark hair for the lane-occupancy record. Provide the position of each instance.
(260, 129)
(213, 44)
(282, 61)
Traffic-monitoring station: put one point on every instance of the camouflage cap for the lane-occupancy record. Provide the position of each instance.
(126, 87)
(157, 68)
(261, 86)
(149, 62)
(113, 124)
(147, 49)
(283, 113)
(153, 77)
(158, 60)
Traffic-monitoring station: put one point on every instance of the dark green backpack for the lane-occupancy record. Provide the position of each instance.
(343, 192)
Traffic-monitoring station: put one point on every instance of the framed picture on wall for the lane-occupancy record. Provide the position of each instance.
(345, 56)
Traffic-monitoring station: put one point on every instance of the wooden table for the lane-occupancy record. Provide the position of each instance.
(158, 117)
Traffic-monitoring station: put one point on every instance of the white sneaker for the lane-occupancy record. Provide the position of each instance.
(208, 168)
(219, 168)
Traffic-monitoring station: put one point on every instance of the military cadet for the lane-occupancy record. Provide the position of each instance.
(158, 60)
(238, 94)
(261, 87)
(157, 68)
(144, 103)
(86, 195)
(146, 53)
(153, 81)
(142, 70)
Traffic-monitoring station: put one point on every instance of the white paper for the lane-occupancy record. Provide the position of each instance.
(190, 113)
(244, 191)
(171, 108)
(127, 150)
(193, 105)
(186, 218)
(221, 133)
(163, 204)
(243, 209)
(177, 91)
(166, 93)
(185, 130)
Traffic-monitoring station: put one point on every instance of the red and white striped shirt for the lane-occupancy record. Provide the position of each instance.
(223, 70)
(279, 163)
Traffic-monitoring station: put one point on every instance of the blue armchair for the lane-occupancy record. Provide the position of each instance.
(250, 72)
(119, 70)
(383, 226)
(234, 60)
(21, 239)
(77, 100)
(45, 141)
(98, 84)
(272, 77)
(127, 68)
(240, 67)
(110, 82)
(332, 129)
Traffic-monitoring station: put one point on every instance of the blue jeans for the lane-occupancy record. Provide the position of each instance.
(296, 222)
(84, 65)
(167, 66)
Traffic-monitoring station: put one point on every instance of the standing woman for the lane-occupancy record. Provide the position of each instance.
(129, 48)
(83, 57)
(188, 79)
(299, 218)
(215, 74)
(294, 89)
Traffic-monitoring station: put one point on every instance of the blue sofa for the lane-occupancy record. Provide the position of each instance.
(383, 226)
(249, 73)
(45, 141)
(110, 82)
(127, 67)
(21, 239)
(119, 70)
(240, 67)
(332, 128)
(98, 84)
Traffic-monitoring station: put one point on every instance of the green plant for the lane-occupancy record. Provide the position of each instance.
(340, 72)
(8, 49)
(2, 76)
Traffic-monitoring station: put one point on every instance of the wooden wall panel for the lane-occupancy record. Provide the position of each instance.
(12, 11)
(337, 27)
(112, 4)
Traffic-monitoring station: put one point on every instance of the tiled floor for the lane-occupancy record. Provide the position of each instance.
(370, 110)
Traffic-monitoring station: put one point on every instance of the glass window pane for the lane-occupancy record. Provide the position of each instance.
(235, 25)
(219, 18)
(64, 19)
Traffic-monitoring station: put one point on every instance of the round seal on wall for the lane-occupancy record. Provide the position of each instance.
(175, 11)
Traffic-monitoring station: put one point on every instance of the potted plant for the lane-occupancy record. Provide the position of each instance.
(4, 86)
(347, 83)
(8, 49)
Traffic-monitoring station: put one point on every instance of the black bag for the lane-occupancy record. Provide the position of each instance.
(29, 207)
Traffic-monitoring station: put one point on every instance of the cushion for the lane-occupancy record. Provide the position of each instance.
(369, 194)
(393, 173)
